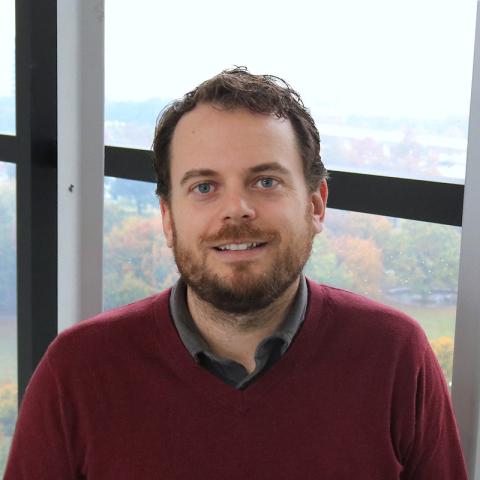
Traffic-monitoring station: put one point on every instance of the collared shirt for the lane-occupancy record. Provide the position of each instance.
(269, 350)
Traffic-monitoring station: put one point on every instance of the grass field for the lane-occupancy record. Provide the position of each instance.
(436, 322)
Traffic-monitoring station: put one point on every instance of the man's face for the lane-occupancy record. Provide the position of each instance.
(240, 220)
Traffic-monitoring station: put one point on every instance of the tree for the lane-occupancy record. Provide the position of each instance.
(114, 213)
(443, 349)
(137, 262)
(8, 408)
(423, 257)
(139, 194)
(346, 262)
(324, 265)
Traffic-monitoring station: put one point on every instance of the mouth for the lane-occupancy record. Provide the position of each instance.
(239, 247)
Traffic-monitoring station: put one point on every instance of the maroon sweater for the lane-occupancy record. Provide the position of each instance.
(358, 396)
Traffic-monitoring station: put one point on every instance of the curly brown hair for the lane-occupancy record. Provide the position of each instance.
(238, 88)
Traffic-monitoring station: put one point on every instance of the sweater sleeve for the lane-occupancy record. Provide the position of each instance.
(40, 448)
(435, 452)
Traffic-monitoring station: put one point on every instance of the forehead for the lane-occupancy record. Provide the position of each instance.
(209, 137)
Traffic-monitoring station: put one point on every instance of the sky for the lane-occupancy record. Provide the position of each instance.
(407, 58)
(385, 56)
(7, 47)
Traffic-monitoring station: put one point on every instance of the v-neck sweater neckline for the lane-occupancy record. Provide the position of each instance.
(211, 388)
(228, 370)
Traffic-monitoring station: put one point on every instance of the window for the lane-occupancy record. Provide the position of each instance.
(7, 67)
(412, 266)
(137, 261)
(8, 314)
(387, 82)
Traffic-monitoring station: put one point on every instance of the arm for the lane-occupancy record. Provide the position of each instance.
(40, 447)
(435, 452)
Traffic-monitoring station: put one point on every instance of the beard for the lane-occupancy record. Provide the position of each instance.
(242, 290)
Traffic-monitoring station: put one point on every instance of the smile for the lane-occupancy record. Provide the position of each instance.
(239, 246)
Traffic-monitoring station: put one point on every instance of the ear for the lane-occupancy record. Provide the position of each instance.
(318, 200)
(167, 222)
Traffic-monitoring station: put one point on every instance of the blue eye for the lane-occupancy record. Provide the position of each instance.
(203, 188)
(268, 182)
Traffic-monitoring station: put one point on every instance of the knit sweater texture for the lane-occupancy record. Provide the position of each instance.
(358, 395)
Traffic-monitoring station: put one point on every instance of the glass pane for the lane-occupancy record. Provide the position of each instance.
(137, 262)
(7, 66)
(385, 101)
(8, 310)
(411, 266)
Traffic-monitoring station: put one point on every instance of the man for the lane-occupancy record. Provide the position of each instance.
(245, 369)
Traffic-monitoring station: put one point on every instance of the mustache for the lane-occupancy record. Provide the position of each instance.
(234, 232)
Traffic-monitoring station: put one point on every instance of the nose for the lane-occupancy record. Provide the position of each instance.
(237, 208)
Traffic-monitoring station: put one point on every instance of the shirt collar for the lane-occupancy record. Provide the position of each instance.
(193, 340)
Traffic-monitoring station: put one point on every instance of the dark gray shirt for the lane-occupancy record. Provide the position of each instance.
(268, 351)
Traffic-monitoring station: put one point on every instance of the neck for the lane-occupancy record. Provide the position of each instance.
(237, 336)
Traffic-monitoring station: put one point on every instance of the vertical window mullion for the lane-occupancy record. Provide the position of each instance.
(466, 362)
(36, 108)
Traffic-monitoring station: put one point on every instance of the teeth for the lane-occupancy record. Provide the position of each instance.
(238, 246)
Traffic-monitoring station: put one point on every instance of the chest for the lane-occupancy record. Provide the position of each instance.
(316, 434)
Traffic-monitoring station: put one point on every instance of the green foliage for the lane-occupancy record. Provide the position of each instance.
(8, 408)
(4, 449)
(137, 263)
(371, 255)
(8, 416)
(347, 262)
(423, 257)
(443, 349)
(121, 290)
(324, 265)
(114, 213)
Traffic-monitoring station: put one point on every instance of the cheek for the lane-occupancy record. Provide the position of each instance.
(190, 227)
(294, 215)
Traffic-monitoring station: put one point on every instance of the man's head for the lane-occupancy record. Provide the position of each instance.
(234, 89)
(238, 207)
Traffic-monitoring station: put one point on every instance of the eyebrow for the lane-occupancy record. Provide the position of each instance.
(207, 172)
(200, 172)
(270, 166)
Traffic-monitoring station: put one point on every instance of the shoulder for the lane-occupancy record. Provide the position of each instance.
(126, 327)
(360, 318)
